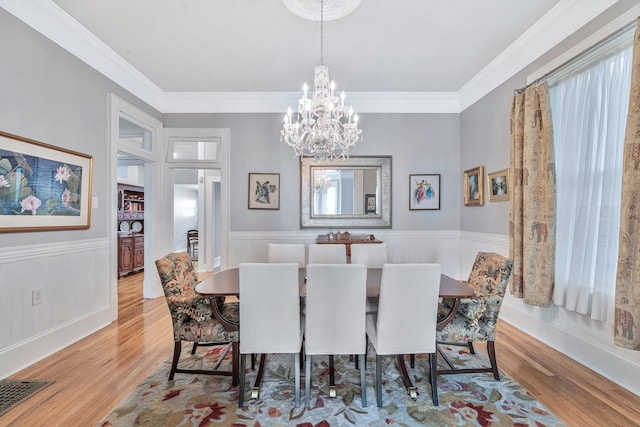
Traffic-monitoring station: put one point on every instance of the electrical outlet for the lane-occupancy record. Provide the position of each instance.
(36, 296)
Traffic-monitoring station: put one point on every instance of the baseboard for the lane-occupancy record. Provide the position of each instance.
(25, 353)
(617, 364)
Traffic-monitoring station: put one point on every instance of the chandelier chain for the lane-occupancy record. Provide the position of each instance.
(321, 31)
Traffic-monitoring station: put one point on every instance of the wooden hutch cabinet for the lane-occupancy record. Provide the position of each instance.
(130, 229)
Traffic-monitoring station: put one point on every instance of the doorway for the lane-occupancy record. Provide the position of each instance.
(196, 216)
(197, 179)
(135, 148)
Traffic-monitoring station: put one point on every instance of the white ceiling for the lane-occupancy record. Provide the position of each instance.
(181, 55)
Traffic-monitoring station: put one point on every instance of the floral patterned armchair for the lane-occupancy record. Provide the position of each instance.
(476, 317)
(192, 315)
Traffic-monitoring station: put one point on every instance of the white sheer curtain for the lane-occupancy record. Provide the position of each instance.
(589, 109)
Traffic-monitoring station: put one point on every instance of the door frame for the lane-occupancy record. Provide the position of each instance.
(154, 243)
(221, 163)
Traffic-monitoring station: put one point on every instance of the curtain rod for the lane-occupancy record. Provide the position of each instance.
(568, 61)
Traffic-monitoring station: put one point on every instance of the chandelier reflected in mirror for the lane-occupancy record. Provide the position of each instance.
(324, 126)
(321, 181)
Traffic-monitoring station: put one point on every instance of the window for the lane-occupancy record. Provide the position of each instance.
(589, 103)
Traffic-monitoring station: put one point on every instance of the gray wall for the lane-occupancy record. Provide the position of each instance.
(485, 141)
(418, 143)
(485, 133)
(51, 96)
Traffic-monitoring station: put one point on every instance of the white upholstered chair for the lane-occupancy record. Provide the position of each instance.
(270, 320)
(335, 317)
(371, 256)
(406, 319)
(287, 252)
(327, 254)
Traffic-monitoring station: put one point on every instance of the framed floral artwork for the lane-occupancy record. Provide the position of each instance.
(264, 191)
(424, 192)
(43, 187)
(474, 187)
(498, 185)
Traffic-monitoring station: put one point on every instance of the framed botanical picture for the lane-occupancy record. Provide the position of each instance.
(264, 191)
(424, 191)
(498, 185)
(370, 203)
(474, 187)
(43, 187)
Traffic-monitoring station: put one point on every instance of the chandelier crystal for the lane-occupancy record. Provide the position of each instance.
(324, 127)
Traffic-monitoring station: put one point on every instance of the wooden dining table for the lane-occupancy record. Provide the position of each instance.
(227, 283)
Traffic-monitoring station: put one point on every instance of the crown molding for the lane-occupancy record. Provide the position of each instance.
(613, 26)
(54, 23)
(278, 102)
(564, 19)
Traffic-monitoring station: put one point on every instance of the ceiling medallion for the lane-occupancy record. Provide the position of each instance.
(310, 9)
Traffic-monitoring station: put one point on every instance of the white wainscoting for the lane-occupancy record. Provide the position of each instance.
(582, 339)
(404, 246)
(76, 299)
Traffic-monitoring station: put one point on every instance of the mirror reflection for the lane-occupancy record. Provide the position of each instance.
(348, 193)
(345, 191)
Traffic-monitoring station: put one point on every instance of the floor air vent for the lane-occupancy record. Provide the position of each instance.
(13, 392)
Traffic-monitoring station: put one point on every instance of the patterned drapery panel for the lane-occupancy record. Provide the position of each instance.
(627, 317)
(532, 242)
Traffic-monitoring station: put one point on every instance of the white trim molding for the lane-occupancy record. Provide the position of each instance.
(53, 22)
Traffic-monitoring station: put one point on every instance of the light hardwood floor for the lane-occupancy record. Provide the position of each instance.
(94, 374)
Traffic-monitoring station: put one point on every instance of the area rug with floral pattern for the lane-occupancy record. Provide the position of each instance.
(204, 400)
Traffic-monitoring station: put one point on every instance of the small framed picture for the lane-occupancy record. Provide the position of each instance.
(370, 204)
(498, 185)
(264, 191)
(474, 187)
(424, 192)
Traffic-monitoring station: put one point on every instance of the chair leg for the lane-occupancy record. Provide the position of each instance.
(297, 376)
(177, 348)
(412, 360)
(256, 386)
(235, 360)
(491, 350)
(413, 393)
(301, 356)
(379, 380)
(363, 382)
(332, 378)
(433, 376)
(307, 381)
(243, 364)
(471, 349)
(193, 349)
(253, 362)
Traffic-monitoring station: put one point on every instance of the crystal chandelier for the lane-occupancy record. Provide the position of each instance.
(324, 127)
